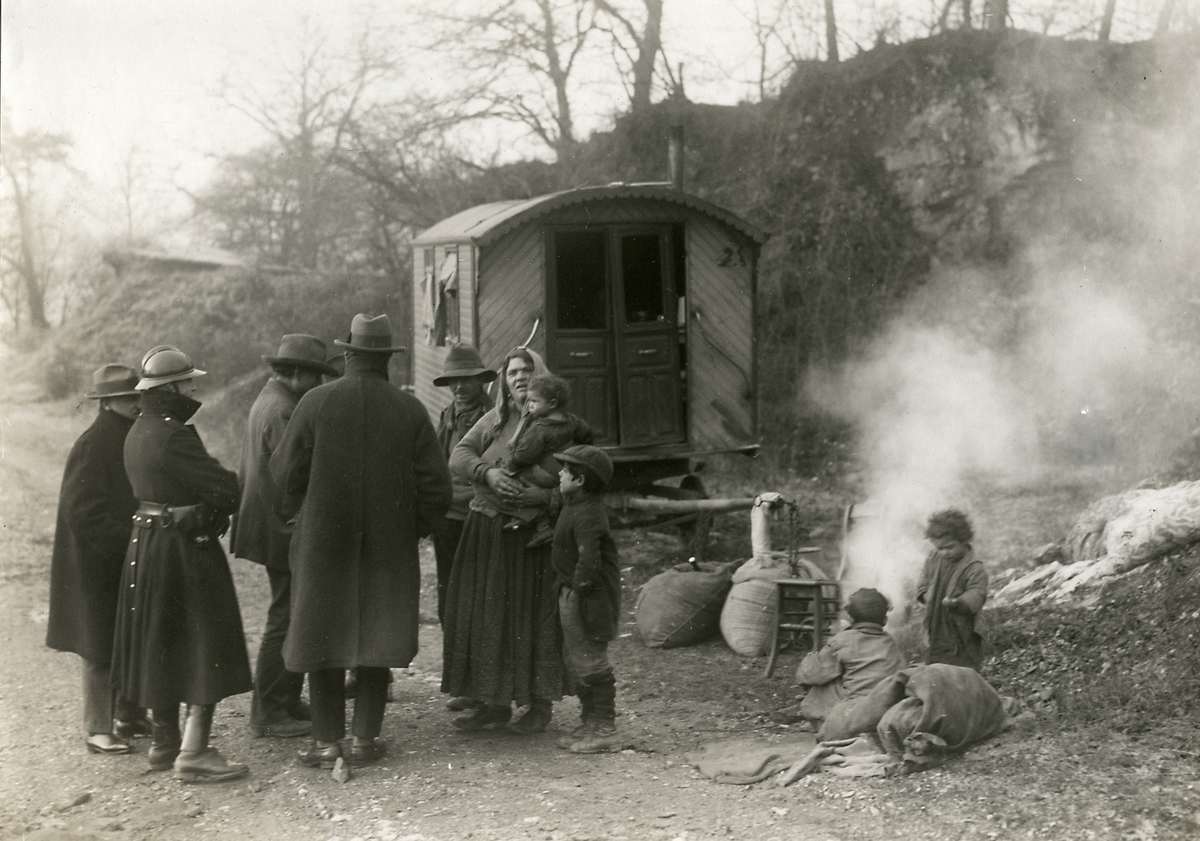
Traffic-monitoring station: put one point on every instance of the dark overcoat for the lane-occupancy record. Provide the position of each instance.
(179, 633)
(361, 471)
(258, 534)
(90, 536)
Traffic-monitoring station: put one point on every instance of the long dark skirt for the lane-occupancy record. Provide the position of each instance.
(502, 640)
(179, 633)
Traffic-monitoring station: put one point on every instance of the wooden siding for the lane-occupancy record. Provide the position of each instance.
(627, 212)
(720, 298)
(511, 293)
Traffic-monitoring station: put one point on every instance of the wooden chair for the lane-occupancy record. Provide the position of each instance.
(803, 607)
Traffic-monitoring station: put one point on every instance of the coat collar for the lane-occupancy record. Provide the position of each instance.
(169, 405)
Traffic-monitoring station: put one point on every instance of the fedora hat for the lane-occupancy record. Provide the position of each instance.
(113, 381)
(464, 361)
(372, 334)
(593, 458)
(301, 350)
(164, 364)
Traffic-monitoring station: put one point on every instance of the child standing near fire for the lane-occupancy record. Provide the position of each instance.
(588, 579)
(544, 429)
(953, 588)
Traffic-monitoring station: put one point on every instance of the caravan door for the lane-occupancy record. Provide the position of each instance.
(647, 345)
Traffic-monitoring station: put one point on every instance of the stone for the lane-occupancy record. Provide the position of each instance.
(341, 771)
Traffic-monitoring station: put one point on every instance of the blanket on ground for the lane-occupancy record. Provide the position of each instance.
(746, 761)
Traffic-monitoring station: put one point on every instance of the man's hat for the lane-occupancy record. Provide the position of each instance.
(464, 361)
(868, 605)
(113, 381)
(593, 458)
(164, 364)
(301, 350)
(372, 334)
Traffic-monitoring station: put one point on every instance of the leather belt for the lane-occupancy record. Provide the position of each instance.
(150, 515)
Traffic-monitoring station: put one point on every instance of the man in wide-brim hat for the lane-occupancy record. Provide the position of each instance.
(361, 457)
(90, 535)
(259, 535)
(466, 377)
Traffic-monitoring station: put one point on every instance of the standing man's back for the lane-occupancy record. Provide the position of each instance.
(360, 470)
(259, 535)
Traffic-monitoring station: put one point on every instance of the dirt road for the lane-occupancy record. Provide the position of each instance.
(440, 784)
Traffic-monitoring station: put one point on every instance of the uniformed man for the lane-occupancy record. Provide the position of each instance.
(259, 535)
(90, 536)
(179, 633)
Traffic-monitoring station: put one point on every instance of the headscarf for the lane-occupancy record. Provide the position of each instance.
(503, 397)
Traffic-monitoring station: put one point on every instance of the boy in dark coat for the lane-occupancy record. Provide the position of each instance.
(851, 664)
(589, 602)
(546, 428)
(179, 631)
(360, 464)
(259, 535)
(953, 587)
(90, 535)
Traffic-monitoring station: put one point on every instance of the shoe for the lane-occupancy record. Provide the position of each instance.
(132, 728)
(283, 728)
(320, 754)
(366, 752)
(164, 744)
(483, 717)
(601, 737)
(533, 721)
(106, 743)
(460, 703)
(577, 732)
(206, 766)
(300, 711)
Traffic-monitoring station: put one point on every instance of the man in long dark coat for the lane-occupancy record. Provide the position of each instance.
(90, 536)
(259, 535)
(360, 469)
(179, 632)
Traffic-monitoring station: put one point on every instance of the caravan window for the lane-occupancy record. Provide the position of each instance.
(642, 278)
(579, 279)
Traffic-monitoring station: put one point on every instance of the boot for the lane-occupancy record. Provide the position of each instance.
(164, 738)
(197, 761)
(483, 717)
(534, 720)
(586, 711)
(601, 735)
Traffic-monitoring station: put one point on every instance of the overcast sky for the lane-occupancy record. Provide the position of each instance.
(114, 73)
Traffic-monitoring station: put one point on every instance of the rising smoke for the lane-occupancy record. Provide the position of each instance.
(1083, 349)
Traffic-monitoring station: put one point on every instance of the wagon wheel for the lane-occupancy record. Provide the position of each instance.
(694, 534)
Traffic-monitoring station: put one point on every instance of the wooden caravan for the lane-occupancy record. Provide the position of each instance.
(640, 295)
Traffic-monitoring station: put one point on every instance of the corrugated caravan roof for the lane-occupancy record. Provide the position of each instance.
(486, 223)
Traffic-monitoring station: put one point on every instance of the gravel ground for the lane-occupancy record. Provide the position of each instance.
(1035, 782)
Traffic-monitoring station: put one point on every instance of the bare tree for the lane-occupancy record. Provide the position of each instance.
(995, 15)
(307, 115)
(520, 57)
(831, 33)
(640, 46)
(25, 250)
(1106, 19)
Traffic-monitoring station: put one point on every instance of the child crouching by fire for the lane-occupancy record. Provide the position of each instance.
(852, 663)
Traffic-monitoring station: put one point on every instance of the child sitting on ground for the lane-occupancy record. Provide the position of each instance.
(588, 578)
(545, 428)
(853, 662)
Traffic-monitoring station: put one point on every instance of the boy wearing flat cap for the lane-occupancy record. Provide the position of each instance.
(589, 603)
(854, 661)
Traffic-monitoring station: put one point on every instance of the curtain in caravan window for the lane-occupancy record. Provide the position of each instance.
(448, 285)
(429, 296)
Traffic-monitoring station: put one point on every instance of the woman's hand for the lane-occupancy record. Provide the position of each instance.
(532, 497)
(503, 484)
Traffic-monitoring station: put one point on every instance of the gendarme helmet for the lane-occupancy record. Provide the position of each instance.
(165, 364)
